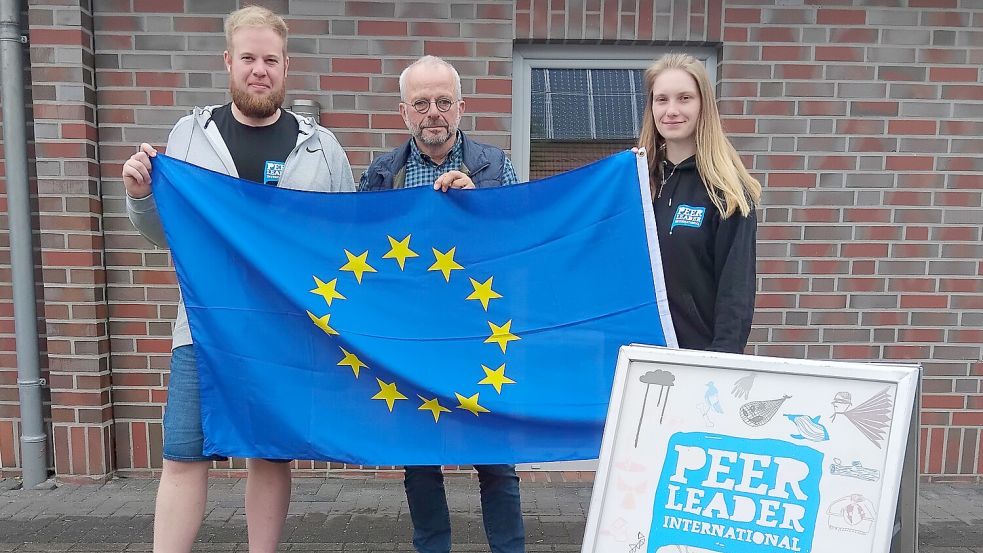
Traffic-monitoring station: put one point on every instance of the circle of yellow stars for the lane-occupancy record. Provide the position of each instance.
(444, 263)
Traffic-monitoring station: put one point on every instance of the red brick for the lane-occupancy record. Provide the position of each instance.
(115, 42)
(954, 74)
(912, 126)
(921, 335)
(909, 163)
(742, 15)
(347, 120)
(161, 98)
(448, 48)
(64, 36)
(79, 131)
(116, 23)
(158, 6)
(387, 121)
(207, 25)
(493, 86)
(160, 79)
(153, 345)
(522, 25)
(383, 28)
(489, 105)
(953, 445)
(934, 443)
(785, 53)
(351, 83)
(735, 34)
(973, 418)
(356, 65)
(835, 17)
(494, 11)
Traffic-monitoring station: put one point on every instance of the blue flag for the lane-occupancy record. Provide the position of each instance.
(410, 326)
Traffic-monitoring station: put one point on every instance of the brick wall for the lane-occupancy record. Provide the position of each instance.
(862, 121)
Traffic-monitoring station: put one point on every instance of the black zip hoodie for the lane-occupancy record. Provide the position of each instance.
(708, 261)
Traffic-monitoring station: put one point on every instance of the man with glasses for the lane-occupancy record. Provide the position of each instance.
(439, 154)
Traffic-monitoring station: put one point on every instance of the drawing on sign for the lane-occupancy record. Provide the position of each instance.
(872, 417)
(853, 513)
(630, 490)
(664, 380)
(711, 403)
(638, 545)
(855, 469)
(809, 428)
(617, 530)
(758, 413)
(743, 386)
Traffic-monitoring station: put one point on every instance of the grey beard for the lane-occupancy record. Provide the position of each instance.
(431, 140)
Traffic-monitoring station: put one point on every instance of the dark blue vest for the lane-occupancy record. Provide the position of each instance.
(482, 162)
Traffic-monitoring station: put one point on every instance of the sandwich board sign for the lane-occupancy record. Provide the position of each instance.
(710, 452)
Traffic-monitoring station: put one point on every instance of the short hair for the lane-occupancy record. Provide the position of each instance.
(429, 60)
(255, 16)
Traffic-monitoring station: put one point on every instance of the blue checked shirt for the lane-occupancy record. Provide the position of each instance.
(422, 171)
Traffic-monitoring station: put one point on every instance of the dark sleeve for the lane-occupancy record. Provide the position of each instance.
(734, 263)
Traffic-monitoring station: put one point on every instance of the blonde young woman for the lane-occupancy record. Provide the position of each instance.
(704, 202)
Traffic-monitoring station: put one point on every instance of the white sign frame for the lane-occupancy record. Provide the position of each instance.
(635, 360)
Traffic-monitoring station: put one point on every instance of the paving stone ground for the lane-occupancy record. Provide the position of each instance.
(368, 515)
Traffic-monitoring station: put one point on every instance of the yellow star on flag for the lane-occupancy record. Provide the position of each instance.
(400, 250)
(389, 393)
(470, 404)
(445, 263)
(357, 264)
(351, 360)
(327, 290)
(322, 323)
(496, 377)
(483, 292)
(501, 335)
(433, 406)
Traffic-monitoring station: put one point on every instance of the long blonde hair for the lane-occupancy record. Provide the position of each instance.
(730, 186)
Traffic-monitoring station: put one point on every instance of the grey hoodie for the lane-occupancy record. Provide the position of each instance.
(316, 163)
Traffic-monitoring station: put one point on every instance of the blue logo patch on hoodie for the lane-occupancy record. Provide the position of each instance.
(273, 172)
(688, 216)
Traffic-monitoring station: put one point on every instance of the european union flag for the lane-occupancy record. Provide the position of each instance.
(410, 326)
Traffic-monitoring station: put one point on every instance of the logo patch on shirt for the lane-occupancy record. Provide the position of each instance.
(273, 172)
(688, 216)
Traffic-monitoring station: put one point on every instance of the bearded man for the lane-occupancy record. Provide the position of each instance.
(252, 138)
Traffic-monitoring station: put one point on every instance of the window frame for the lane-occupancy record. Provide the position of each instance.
(526, 57)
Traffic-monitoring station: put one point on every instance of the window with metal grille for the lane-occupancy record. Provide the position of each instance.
(577, 116)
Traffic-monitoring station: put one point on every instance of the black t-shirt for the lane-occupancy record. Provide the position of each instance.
(258, 152)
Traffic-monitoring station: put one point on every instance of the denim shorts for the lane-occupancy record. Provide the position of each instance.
(183, 437)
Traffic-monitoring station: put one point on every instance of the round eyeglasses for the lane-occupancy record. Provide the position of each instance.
(423, 106)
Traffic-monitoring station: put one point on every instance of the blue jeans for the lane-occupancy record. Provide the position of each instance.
(183, 437)
(500, 508)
